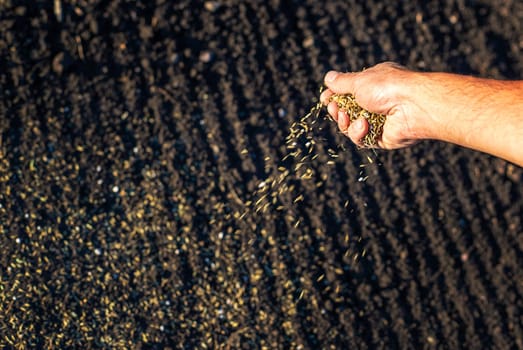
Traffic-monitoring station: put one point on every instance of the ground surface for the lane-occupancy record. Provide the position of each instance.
(133, 137)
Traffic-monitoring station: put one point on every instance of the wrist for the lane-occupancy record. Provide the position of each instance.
(423, 102)
(442, 103)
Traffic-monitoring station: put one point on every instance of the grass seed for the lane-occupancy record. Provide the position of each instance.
(347, 103)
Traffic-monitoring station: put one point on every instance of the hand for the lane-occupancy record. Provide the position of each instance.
(385, 89)
(482, 114)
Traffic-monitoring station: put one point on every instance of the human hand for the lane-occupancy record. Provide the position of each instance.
(387, 89)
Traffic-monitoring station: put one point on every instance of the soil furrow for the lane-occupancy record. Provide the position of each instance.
(137, 141)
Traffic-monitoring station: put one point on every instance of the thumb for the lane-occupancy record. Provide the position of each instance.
(340, 83)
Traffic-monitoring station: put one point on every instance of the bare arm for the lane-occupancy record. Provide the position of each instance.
(482, 114)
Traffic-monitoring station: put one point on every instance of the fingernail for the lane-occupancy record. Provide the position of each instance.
(339, 119)
(358, 124)
(330, 76)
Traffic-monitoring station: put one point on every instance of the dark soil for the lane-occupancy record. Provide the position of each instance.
(134, 133)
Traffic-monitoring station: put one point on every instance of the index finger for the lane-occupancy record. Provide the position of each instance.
(325, 96)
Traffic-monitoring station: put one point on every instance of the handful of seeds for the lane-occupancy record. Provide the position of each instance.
(376, 121)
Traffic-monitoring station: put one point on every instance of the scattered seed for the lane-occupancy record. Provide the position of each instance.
(299, 198)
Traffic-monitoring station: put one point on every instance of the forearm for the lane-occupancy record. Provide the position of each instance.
(482, 114)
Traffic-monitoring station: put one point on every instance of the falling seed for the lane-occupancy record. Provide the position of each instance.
(299, 198)
(58, 10)
(308, 42)
(260, 200)
(308, 174)
(212, 6)
(206, 56)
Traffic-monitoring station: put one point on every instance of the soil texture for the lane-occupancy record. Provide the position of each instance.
(141, 144)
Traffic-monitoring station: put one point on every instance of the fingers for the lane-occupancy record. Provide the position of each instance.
(336, 82)
(343, 121)
(325, 96)
(343, 83)
(332, 109)
(356, 131)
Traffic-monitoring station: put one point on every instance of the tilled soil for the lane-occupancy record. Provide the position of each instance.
(138, 143)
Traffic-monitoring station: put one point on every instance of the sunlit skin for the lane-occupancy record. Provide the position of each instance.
(482, 114)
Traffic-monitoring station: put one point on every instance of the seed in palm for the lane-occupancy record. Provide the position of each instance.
(347, 103)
